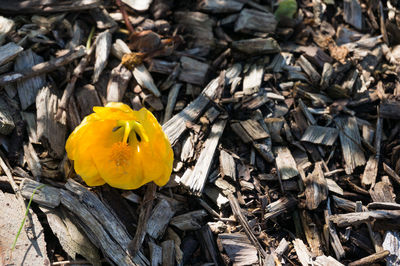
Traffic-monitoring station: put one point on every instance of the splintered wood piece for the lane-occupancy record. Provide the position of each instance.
(316, 187)
(326, 260)
(193, 71)
(239, 249)
(168, 252)
(315, 77)
(189, 221)
(86, 98)
(155, 254)
(347, 219)
(391, 173)
(353, 13)
(227, 165)
(280, 206)
(8, 52)
(200, 26)
(172, 96)
(119, 80)
(254, 129)
(51, 133)
(47, 196)
(392, 243)
(161, 66)
(383, 191)
(72, 238)
(383, 205)
(351, 143)
(36, 7)
(96, 231)
(333, 236)
(257, 46)
(144, 214)
(236, 210)
(311, 232)
(101, 223)
(207, 242)
(302, 252)
(27, 89)
(78, 34)
(197, 180)
(310, 118)
(253, 79)
(32, 160)
(239, 130)
(251, 20)
(33, 236)
(320, 135)
(218, 6)
(216, 196)
(333, 186)
(285, 163)
(282, 248)
(103, 47)
(6, 120)
(275, 126)
(159, 219)
(370, 171)
(371, 259)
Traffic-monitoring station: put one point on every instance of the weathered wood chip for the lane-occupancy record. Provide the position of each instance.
(316, 187)
(28, 89)
(51, 133)
(253, 78)
(72, 238)
(257, 46)
(159, 219)
(227, 165)
(189, 221)
(193, 71)
(351, 143)
(238, 248)
(8, 52)
(320, 135)
(220, 6)
(175, 127)
(285, 163)
(47, 196)
(103, 47)
(251, 20)
(196, 181)
(353, 13)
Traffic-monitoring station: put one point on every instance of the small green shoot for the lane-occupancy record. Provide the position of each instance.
(89, 40)
(26, 215)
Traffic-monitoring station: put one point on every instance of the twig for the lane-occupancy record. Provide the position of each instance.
(125, 16)
(62, 107)
(42, 68)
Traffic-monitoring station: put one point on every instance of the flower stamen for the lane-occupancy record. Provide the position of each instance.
(120, 153)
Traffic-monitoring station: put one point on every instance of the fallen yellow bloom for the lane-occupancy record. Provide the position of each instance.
(121, 147)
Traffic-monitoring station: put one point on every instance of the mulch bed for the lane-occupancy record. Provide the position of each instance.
(284, 129)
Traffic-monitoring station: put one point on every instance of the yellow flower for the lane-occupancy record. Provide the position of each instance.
(121, 147)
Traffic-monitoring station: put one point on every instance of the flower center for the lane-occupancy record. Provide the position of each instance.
(120, 153)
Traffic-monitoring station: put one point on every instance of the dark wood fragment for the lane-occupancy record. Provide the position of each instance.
(370, 259)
